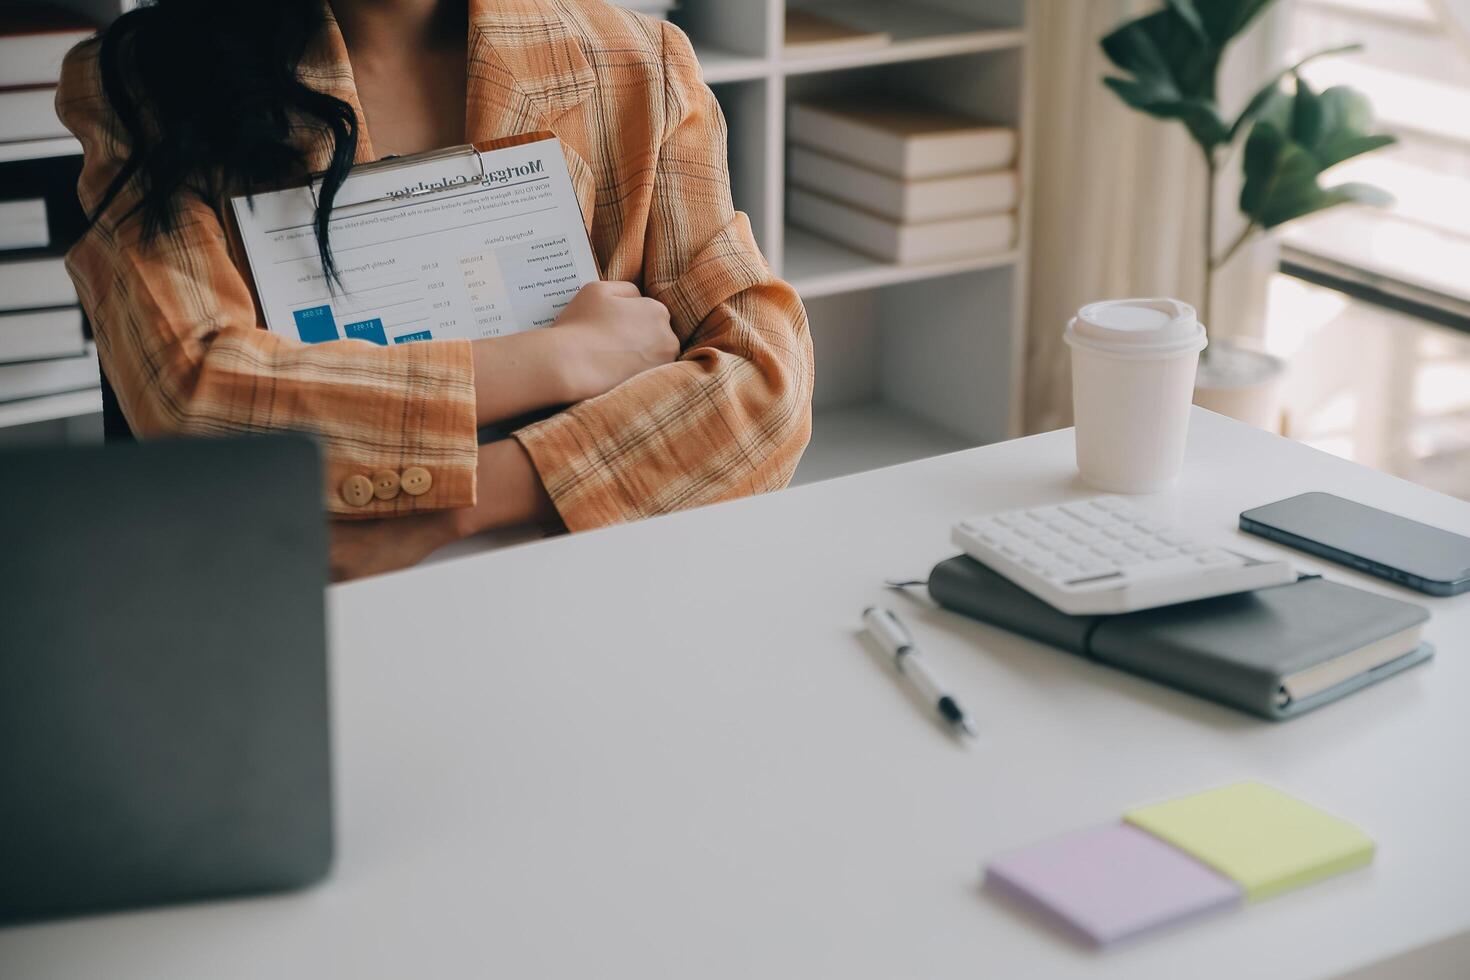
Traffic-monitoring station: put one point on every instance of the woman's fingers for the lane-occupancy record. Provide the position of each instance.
(615, 288)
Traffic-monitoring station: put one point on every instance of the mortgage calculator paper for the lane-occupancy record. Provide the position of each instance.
(471, 242)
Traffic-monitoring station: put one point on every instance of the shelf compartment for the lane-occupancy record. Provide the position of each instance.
(854, 439)
(919, 33)
(818, 267)
(732, 40)
(720, 65)
(71, 404)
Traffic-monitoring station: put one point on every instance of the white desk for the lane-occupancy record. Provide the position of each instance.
(662, 751)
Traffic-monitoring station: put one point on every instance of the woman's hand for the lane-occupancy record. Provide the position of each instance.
(609, 333)
(363, 548)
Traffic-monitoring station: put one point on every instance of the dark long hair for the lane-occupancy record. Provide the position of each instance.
(208, 94)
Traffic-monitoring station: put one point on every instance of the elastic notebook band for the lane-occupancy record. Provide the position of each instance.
(1087, 639)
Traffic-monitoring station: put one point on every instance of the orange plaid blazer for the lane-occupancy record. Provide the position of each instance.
(179, 337)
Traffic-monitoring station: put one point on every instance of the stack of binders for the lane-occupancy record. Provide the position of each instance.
(901, 181)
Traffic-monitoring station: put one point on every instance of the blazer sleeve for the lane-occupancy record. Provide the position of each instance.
(732, 416)
(179, 339)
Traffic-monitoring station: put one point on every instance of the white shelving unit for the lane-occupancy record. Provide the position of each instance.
(912, 360)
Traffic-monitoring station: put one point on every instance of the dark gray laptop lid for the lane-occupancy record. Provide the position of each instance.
(163, 688)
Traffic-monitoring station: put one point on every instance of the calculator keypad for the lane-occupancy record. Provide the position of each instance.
(1094, 544)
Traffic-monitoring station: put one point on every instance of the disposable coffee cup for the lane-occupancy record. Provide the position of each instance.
(1133, 368)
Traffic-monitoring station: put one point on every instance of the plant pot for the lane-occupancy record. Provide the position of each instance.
(1244, 384)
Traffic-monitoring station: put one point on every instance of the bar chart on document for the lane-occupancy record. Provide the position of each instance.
(455, 245)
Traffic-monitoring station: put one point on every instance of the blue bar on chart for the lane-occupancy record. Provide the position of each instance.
(367, 330)
(316, 325)
(408, 337)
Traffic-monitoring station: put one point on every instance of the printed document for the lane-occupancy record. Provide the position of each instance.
(476, 241)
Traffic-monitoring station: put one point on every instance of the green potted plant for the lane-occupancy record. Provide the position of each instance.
(1292, 135)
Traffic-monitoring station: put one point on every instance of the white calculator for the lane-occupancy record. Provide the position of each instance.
(1102, 556)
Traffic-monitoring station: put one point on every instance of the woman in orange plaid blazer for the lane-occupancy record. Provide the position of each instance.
(688, 371)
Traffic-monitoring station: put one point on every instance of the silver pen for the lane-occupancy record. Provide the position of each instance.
(896, 641)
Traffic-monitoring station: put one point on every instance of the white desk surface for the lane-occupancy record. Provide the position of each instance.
(664, 751)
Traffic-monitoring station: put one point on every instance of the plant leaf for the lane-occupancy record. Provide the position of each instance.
(1336, 150)
(1223, 20)
(1132, 48)
(1346, 117)
(1163, 102)
(1187, 12)
(1279, 175)
(1356, 192)
(1272, 88)
(1144, 96)
(1293, 142)
(1318, 199)
(1173, 67)
(1308, 116)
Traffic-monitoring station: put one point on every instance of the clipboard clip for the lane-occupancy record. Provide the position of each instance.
(393, 163)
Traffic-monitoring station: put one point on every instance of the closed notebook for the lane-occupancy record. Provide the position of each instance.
(903, 200)
(33, 335)
(34, 37)
(36, 378)
(931, 241)
(901, 138)
(23, 224)
(1276, 653)
(31, 283)
(810, 35)
(29, 114)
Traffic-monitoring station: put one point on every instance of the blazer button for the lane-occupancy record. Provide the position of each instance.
(416, 481)
(357, 490)
(385, 484)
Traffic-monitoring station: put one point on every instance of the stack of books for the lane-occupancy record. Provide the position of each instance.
(34, 37)
(901, 181)
(45, 347)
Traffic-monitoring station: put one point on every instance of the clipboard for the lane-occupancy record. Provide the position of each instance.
(461, 243)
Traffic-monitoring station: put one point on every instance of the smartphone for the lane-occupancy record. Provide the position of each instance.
(1427, 559)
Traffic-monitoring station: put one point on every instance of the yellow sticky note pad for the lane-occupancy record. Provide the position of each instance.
(1264, 840)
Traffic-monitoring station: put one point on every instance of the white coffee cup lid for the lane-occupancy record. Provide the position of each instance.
(1137, 328)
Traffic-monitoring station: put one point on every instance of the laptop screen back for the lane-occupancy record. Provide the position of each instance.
(163, 684)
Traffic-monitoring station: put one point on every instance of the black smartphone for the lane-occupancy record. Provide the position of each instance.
(1425, 558)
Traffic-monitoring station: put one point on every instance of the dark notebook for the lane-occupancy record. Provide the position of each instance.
(1276, 652)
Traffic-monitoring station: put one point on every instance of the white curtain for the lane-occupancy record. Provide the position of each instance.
(1118, 206)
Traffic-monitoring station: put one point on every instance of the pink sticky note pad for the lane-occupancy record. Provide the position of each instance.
(1111, 883)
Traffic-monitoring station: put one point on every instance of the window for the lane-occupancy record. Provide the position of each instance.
(1415, 67)
(1383, 382)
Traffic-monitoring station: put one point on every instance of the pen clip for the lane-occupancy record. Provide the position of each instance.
(891, 627)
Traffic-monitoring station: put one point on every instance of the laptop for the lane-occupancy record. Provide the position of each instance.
(163, 680)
